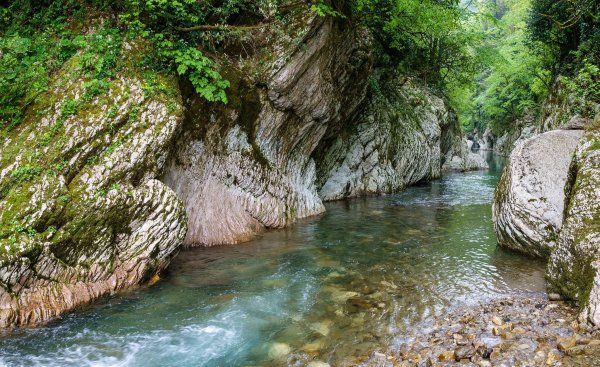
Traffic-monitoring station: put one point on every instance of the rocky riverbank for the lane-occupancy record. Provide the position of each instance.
(516, 331)
(99, 189)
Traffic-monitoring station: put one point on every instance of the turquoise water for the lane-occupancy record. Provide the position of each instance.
(331, 288)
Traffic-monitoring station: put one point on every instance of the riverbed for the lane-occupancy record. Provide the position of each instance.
(328, 289)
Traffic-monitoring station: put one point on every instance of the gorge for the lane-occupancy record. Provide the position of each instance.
(289, 183)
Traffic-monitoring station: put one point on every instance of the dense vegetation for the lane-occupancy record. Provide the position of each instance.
(534, 43)
(496, 59)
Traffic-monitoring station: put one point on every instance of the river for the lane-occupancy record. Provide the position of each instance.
(330, 288)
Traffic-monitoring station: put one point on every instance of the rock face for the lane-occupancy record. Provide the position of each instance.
(98, 190)
(574, 268)
(529, 201)
(250, 167)
(81, 213)
(402, 136)
(463, 159)
(548, 204)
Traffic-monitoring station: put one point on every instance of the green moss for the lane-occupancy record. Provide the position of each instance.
(74, 220)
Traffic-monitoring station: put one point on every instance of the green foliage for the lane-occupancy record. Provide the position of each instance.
(68, 108)
(564, 26)
(322, 9)
(205, 79)
(512, 81)
(585, 85)
(535, 41)
(586, 82)
(174, 27)
(426, 38)
(95, 87)
(37, 37)
(25, 173)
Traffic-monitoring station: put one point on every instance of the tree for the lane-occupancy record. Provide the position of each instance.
(564, 26)
(423, 37)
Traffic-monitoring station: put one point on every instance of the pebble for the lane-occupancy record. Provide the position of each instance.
(313, 347)
(523, 332)
(552, 358)
(279, 350)
(554, 297)
(564, 343)
(446, 356)
(496, 320)
(579, 349)
(322, 328)
(464, 352)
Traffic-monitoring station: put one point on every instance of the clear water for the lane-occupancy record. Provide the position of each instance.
(332, 288)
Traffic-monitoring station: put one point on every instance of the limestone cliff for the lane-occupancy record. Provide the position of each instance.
(529, 201)
(404, 134)
(247, 166)
(574, 268)
(81, 212)
(98, 190)
(547, 203)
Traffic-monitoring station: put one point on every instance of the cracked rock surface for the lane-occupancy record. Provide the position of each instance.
(81, 212)
(529, 201)
(574, 268)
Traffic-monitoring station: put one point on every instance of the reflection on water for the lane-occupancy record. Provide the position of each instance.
(330, 288)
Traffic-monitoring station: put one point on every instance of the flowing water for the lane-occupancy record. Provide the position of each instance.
(331, 288)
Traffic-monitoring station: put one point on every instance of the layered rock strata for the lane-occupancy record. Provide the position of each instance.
(81, 212)
(404, 134)
(247, 166)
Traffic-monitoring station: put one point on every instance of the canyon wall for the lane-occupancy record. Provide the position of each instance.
(99, 190)
(82, 214)
(547, 203)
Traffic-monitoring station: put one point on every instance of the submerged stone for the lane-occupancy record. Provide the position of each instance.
(278, 351)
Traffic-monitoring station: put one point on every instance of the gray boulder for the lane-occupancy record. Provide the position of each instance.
(574, 267)
(529, 201)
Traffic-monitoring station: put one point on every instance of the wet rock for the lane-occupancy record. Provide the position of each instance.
(343, 296)
(378, 359)
(322, 328)
(313, 347)
(278, 351)
(318, 364)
